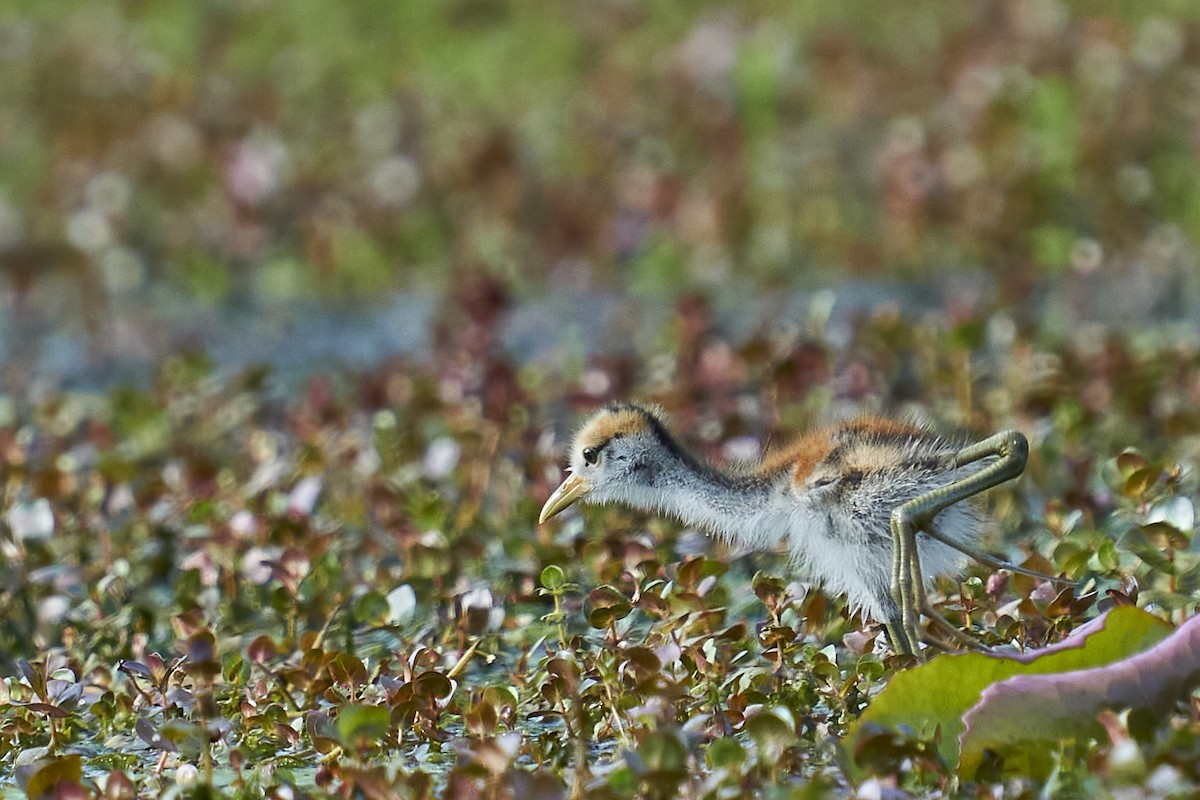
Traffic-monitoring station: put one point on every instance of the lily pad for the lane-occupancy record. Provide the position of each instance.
(937, 695)
(1032, 709)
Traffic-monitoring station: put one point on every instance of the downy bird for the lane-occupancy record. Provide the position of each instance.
(868, 508)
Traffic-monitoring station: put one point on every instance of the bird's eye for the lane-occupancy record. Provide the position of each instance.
(590, 455)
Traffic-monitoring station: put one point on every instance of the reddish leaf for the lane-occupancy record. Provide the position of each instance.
(261, 650)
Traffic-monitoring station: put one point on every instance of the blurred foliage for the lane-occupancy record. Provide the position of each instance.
(274, 150)
(213, 591)
(212, 587)
(907, 700)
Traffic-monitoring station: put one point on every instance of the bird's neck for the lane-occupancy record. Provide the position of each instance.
(702, 495)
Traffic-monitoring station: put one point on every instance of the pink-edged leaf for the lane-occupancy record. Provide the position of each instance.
(937, 694)
(1034, 709)
(1075, 639)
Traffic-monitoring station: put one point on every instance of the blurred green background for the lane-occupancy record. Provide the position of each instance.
(291, 181)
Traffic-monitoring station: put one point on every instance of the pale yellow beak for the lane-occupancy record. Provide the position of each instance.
(573, 488)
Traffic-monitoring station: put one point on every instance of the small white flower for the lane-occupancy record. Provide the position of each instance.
(109, 192)
(402, 605)
(303, 498)
(395, 182)
(256, 564)
(187, 776)
(243, 524)
(89, 230)
(253, 171)
(442, 457)
(31, 520)
(52, 610)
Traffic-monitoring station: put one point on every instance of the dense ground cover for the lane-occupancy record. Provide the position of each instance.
(345, 591)
(167, 159)
(215, 582)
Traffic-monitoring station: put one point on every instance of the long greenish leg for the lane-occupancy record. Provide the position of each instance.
(903, 592)
(987, 559)
(941, 644)
(898, 638)
(896, 630)
(1011, 450)
(940, 622)
(920, 599)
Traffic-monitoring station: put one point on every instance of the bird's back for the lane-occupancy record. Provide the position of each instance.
(840, 485)
(858, 448)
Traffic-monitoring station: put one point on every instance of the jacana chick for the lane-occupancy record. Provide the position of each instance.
(863, 507)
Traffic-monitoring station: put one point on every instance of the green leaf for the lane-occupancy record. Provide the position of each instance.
(234, 668)
(1051, 246)
(773, 730)
(433, 685)
(725, 753)
(664, 753)
(1165, 535)
(1140, 481)
(553, 577)
(608, 605)
(347, 669)
(362, 726)
(1107, 556)
(937, 694)
(1136, 541)
(187, 737)
(1130, 461)
(371, 608)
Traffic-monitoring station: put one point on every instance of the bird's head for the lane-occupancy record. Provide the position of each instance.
(616, 456)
